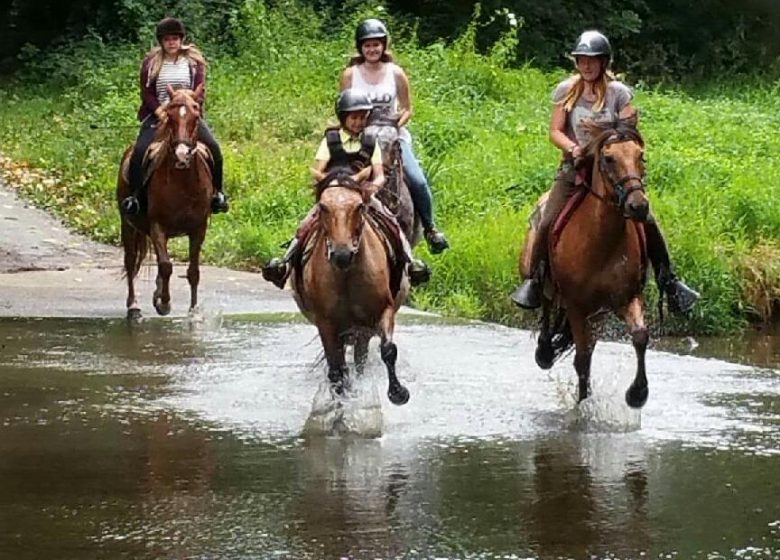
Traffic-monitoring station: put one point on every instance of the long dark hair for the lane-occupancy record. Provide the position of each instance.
(387, 56)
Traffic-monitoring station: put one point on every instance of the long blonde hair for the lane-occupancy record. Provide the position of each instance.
(157, 54)
(578, 87)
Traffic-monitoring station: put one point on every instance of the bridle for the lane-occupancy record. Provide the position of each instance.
(620, 185)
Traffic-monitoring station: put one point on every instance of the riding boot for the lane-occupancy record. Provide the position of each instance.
(219, 202)
(436, 240)
(529, 294)
(418, 271)
(680, 297)
(277, 270)
(130, 205)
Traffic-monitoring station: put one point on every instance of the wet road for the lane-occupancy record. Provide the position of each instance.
(175, 439)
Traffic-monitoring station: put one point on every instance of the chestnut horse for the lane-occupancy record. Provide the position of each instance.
(348, 284)
(178, 202)
(598, 260)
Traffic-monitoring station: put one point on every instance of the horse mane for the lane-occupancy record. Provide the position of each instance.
(607, 132)
(342, 178)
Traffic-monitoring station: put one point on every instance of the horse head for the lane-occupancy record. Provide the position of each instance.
(616, 152)
(183, 118)
(342, 205)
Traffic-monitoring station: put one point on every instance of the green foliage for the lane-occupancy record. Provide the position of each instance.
(480, 131)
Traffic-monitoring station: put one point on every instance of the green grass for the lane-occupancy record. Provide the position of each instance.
(480, 130)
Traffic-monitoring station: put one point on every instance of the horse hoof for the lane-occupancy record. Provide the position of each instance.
(399, 396)
(636, 397)
(162, 308)
(133, 314)
(545, 357)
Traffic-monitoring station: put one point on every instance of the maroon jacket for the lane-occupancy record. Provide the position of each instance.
(149, 91)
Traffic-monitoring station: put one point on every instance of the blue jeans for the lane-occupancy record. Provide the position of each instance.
(418, 186)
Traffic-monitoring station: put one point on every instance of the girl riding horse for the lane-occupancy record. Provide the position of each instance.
(592, 94)
(174, 64)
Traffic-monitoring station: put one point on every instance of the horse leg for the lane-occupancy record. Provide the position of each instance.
(130, 242)
(361, 351)
(397, 393)
(583, 342)
(636, 395)
(193, 270)
(333, 346)
(161, 299)
(544, 356)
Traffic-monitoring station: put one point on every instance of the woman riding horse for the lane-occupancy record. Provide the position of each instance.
(358, 155)
(174, 64)
(592, 94)
(374, 71)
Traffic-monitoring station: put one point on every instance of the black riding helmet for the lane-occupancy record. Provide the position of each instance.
(370, 29)
(170, 26)
(350, 100)
(592, 43)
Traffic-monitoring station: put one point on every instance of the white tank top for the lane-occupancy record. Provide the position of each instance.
(383, 95)
(176, 74)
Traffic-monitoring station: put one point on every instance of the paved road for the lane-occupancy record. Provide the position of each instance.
(48, 271)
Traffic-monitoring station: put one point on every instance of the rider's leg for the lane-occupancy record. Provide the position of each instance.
(219, 202)
(529, 294)
(418, 271)
(681, 297)
(130, 204)
(277, 270)
(422, 198)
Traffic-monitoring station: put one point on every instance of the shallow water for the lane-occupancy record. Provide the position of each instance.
(180, 439)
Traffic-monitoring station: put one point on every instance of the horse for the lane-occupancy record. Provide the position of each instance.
(395, 195)
(347, 283)
(597, 261)
(178, 201)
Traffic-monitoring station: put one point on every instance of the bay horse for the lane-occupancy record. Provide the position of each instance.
(178, 201)
(395, 194)
(347, 284)
(597, 261)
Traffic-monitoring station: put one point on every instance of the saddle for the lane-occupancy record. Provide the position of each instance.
(154, 156)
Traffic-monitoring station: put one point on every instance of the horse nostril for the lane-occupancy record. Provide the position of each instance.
(342, 258)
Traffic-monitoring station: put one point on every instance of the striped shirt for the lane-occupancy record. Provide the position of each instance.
(177, 74)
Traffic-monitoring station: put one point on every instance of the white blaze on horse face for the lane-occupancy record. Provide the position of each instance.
(182, 154)
(182, 111)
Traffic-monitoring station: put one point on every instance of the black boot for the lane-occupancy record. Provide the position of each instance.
(528, 295)
(130, 205)
(680, 297)
(276, 272)
(437, 243)
(219, 203)
(419, 272)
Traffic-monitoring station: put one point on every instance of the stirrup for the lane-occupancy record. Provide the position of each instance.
(130, 205)
(436, 240)
(219, 203)
(681, 298)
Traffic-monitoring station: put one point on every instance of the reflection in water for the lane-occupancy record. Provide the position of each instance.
(171, 442)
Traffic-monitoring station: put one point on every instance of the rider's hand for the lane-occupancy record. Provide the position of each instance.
(575, 151)
(161, 114)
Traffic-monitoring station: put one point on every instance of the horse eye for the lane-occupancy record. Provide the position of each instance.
(609, 160)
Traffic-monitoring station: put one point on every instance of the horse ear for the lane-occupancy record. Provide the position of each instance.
(198, 93)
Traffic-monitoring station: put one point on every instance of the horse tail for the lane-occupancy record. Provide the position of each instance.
(137, 246)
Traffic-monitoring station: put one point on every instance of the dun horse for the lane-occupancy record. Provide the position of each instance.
(178, 202)
(598, 259)
(348, 283)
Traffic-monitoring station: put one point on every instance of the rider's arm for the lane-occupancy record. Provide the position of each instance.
(558, 132)
(404, 97)
(628, 112)
(346, 78)
(321, 160)
(148, 93)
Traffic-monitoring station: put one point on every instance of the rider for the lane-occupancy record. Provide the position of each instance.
(180, 66)
(356, 153)
(592, 93)
(374, 72)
